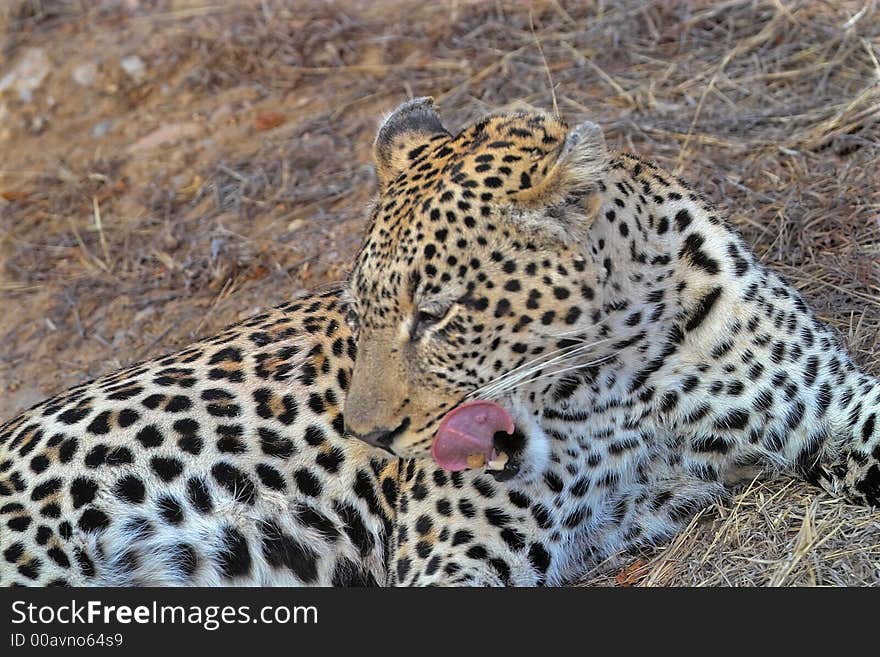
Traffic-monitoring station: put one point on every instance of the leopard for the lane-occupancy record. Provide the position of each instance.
(546, 353)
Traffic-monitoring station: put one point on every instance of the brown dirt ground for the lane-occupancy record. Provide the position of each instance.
(139, 214)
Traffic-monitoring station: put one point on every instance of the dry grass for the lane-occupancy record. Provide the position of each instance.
(114, 250)
(779, 533)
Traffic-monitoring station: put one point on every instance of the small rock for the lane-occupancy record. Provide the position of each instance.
(169, 133)
(85, 74)
(101, 129)
(119, 338)
(5, 132)
(216, 247)
(189, 190)
(134, 67)
(15, 196)
(28, 74)
(220, 114)
(141, 315)
(268, 120)
(169, 242)
(8, 81)
(295, 225)
(38, 124)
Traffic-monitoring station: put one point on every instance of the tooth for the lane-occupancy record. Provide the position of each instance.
(476, 461)
(498, 462)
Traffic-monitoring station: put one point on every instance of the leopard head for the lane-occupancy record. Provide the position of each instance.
(472, 267)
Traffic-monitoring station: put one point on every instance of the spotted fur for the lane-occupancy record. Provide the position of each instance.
(641, 348)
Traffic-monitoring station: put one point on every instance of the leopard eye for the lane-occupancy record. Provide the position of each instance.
(427, 317)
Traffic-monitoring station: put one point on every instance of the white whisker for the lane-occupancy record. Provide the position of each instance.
(563, 334)
(531, 368)
(549, 353)
(555, 373)
(536, 367)
(530, 363)
(528, 369)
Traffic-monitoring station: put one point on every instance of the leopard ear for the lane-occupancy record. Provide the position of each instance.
(571, 170)
(559, 195)
(404, 135)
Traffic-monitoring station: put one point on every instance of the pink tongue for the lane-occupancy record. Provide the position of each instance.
(468, 430)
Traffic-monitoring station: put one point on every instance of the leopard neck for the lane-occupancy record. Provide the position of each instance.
(704, 342)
